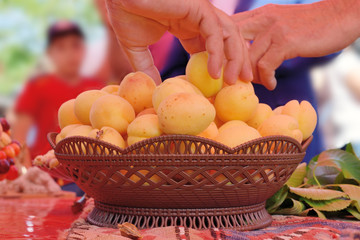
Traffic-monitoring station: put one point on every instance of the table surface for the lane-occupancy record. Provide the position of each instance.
(45, 218)
(35, 218)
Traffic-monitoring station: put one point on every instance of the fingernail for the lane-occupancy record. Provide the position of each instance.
(218, 75)
(272, 83)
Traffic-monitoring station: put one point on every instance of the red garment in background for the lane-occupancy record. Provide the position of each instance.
(41, 99)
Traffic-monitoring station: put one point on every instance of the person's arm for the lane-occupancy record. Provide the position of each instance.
(281, 32)
(197, 24)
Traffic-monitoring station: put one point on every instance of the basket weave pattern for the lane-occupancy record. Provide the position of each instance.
(180, 179)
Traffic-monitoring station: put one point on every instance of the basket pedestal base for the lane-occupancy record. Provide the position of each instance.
(240, 218)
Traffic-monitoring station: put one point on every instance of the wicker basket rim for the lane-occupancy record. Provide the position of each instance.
(302, 147)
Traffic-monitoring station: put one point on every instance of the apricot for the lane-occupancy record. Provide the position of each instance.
(263, 112)
(65, 131)
(236, 134)
(304, 113)
(112, 111)
(281, 125)
(66, 114)
(210, 132)
(185, 113)
(146, 111)
(143, 127)
(83, 103)
(218, 122)
(79, 131)
(232, 124)
(112, 89)
(197, 74)
(236, 102)
(182, 80)
(108, 134)
(278, 110)
(171, 86)
(137, 88)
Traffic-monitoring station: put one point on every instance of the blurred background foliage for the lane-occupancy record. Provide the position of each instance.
(23, 25)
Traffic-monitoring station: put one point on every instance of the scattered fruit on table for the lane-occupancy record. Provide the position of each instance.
(34, 181)
(129, 230)
(192, 104)
(9, 149)
(47, 160)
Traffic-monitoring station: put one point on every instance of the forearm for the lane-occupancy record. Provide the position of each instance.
(348, 17)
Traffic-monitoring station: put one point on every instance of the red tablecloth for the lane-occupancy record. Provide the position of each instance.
(35, 218)
(45, 218)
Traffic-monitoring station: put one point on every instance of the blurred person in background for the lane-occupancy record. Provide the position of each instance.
(37, 105)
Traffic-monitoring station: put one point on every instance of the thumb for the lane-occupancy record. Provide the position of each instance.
(141, 60)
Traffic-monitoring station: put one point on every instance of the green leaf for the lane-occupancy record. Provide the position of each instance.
(277, 199)
(356, 204)
(317, 194)
(328, 205)
(340, 178)
(318, 213)
(296, 207)
(351, 190)
(326, 174)
(298, 176)
(346, 162)
(350, 149)
(323, 174)
(354, 212)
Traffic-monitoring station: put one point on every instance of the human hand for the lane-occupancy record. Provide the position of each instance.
(281, 32)
(198, 25)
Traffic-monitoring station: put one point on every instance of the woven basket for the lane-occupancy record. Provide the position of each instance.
(180, 180)
(57, 172)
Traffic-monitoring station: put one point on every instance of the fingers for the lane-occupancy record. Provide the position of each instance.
(141, 60)
(235, 50)
(267, 65)
(257, 49)
(237, 59)
(211, 31)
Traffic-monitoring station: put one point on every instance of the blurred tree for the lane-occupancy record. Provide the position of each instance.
(23, 24)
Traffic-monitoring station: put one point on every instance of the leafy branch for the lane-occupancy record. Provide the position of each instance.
(327, 186)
